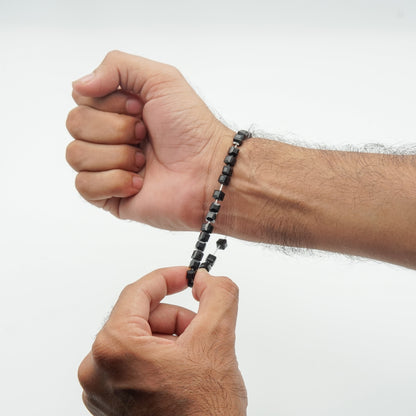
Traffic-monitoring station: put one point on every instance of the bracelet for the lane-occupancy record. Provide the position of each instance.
(208, 227)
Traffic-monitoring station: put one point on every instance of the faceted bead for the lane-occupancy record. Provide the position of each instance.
(200, 245)
(197, 255)
(194, 264)
(211, 216)
(230, 160)
(238, 138)
(219, 195)
(204, 236)
(233, 151)
(244, 133)
(190, 276)
(222, 244)
(224, 179)
(207, 227)
(207, 266)
(210, 259)
(215, 207)
(227, 170)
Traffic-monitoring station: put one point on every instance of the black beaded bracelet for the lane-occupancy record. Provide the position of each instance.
(208, 227)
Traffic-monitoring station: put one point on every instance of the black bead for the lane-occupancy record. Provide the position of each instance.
(222, 244)
(233, 151)
(230, 160)
(207, 227)
(238, 139)
(194, 264)
(227, 170)
(244, 133)
(206, 266)
(210, 259)
(197, 255)
(219, 195)
(224, 179)
(190, 276)
(204, 236)
(211, 216)
(215, 207)
(200, 245)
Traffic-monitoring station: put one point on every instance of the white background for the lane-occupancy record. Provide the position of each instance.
(318, 334)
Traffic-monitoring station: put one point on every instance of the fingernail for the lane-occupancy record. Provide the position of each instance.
(85, 79)
(140, 131)
(137, 182)
(133, 106)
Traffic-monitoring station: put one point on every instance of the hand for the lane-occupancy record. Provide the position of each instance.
(158, 359)
(147, 148)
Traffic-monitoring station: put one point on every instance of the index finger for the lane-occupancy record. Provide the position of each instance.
(139, 299)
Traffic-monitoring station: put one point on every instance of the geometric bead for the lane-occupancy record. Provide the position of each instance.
(207, 227)
(238, 138)
(224, 179)
(190, 276)
(194, 264)
(244, 133)
(211, 216)
(197, 255)
(210, 259)
(230, 160)
(200, 245)
(233, 151)
(204, 236)
(222, 244)
(219, 195)
(206, 266)
(215, 207)
(227, 170)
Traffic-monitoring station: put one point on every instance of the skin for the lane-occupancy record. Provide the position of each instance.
(141, 133)
(152, 358)
(141, 137)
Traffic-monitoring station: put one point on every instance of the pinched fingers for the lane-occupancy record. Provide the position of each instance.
(119, 101)
(85, 156)
(91, 125)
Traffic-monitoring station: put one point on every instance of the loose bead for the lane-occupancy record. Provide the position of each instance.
(207, 227)
(224, 179)
(206, 266)
(221, 244)
(210, 259)
(219, 195)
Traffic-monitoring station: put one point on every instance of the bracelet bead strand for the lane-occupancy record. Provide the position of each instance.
(208, 227)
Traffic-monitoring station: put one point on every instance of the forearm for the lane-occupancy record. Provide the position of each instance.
(353, 203)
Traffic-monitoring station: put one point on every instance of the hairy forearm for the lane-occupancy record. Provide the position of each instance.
(353, 203)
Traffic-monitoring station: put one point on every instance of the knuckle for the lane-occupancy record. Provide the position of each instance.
(113, 55)
(81, 183)
(74, 121)
(106, 350)
(75, 155)
(228, 286)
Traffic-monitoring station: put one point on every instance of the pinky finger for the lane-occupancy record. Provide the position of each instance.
(96, 186)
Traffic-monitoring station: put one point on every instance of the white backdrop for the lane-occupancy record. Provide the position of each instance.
(318, 334)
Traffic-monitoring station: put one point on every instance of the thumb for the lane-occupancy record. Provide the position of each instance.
(119, 70)
(218, 306)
